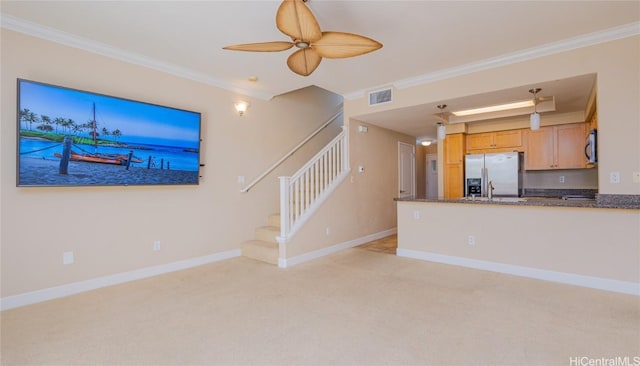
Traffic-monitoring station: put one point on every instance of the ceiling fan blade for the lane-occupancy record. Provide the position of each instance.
(304, 61)
(261, 47)
(297, 21)
(342, 45)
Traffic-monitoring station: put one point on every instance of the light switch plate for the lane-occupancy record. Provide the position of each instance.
(636, 177)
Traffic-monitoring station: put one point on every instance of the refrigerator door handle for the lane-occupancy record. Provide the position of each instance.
(483, 175)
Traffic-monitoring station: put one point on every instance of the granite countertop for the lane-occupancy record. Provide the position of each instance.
(600, 201)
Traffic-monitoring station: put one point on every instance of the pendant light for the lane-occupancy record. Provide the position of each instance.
(442, 130)
(534, 119)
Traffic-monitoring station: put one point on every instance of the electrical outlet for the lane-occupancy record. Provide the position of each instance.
(614, 177)
(67, 258)
(416, 214)
(471, 240)
(562, 179)
(156, 245)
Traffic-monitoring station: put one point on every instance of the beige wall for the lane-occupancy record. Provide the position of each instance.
(363, 204)
(616, 65)
(111, 229)
(574, 178)
(38, 224)
(599, 243)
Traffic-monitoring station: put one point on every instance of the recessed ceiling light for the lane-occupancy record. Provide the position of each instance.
(495, 108)
(253, 79)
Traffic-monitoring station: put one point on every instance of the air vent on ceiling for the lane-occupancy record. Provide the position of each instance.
(380, 97)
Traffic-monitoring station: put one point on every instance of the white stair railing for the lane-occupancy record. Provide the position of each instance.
(303, 192)
(292, 151)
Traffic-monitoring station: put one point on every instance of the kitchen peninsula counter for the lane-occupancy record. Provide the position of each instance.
(607, 201)
(592, 243)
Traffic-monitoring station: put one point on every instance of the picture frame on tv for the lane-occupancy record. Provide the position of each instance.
(71, 137)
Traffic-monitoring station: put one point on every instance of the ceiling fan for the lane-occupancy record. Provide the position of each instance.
(296, 20)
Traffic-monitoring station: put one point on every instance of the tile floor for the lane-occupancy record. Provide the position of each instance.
(386, 245)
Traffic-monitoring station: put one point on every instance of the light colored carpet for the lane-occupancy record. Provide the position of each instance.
(356, 307)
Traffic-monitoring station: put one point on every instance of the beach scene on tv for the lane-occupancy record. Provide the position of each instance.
(69, 137)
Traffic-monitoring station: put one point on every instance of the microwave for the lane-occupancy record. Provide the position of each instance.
(590, 147)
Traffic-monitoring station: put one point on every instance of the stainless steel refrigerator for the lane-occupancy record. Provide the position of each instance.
(503, 170)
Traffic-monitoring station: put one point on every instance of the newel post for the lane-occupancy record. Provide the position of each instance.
(285, 207)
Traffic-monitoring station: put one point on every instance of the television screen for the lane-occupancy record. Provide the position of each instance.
(69, 137)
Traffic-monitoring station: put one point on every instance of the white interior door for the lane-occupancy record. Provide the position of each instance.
(432, 175)
(406, 170)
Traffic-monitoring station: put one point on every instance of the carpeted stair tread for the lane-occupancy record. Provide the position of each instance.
(274, 220)
(260, 250)
(267, 233)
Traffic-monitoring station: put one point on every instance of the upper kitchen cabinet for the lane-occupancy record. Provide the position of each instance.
(454, 146)
(495, 141)
(556, 147)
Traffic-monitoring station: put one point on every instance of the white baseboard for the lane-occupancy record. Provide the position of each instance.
(288, 262)
(625, 287)
(51, 293)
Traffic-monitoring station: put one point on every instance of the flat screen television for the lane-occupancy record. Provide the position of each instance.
(70, 137)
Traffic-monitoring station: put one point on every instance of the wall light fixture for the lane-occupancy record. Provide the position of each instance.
(241, 107)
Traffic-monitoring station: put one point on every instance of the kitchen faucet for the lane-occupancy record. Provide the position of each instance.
(491, 188)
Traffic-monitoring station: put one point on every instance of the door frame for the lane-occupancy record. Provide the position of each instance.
(429, 157)
(412, 149)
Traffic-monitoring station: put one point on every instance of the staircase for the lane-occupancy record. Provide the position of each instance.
(300, 196)
(265, 246)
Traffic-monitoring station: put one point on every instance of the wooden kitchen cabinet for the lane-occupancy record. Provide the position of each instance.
(495, 140)
(540, 151)
(570, 146)
(454, 149)
(454, 181)
(556, 147)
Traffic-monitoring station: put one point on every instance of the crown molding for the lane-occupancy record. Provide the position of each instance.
(71, 40)
(54, 35)
(590, 39)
